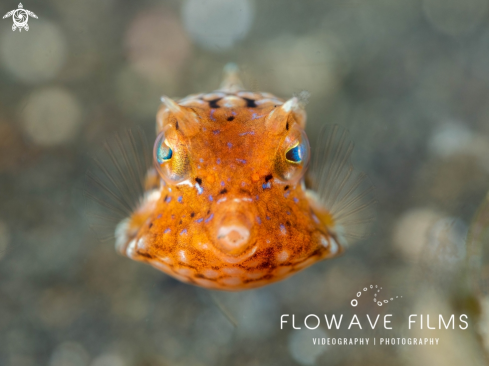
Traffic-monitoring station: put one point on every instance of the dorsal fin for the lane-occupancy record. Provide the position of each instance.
(231, 82)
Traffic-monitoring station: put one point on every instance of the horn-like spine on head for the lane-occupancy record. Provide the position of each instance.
(187, 119)
(277, 119)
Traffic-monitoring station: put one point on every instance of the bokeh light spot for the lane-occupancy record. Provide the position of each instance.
(50, 116)
(217, 24)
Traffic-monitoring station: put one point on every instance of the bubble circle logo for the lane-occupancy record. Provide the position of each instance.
(377, 290)
(20, 17)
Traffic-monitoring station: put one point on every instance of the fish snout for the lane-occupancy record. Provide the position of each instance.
(233, 233)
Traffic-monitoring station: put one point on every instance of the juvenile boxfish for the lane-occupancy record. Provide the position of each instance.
(228, 204)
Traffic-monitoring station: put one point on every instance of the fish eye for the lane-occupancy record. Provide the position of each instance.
(163, 153)
(293, 156)
(170, 157)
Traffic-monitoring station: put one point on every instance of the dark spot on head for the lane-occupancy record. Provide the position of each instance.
(286, 187)
(198, 180)
(213, 103)
(287, 126)
(268, 177)
(223, 191)
(192, 214)
(180, 223)
(199, 275)
(250, 103)
(166, 197)
(176, 126)
(230, 118)
(150, 225)
(208, 212)
(287, 223)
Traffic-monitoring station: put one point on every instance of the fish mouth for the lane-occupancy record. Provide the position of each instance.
(233, 237)
(234, 231)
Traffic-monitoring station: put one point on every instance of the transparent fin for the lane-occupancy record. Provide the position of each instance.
(231, 82)
(115, 185)
(345, 195)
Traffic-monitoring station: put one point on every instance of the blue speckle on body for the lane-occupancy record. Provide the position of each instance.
(296, 200)
(166, 231)
(266, 185)
(184, 231)
(215, 132)
(268, 218)
(199, 188)
(222, 183)
(247, 133)
(243, 161)
(199, 220)
(256, 116)
(230, 145)
(212, 115)
(258, 220)
(218, 160)
(211, 198)
(209, 218)
(288, 212)
(286, 194)
(201, 160)
(168, 199)
(180, 199)
(257, 197)
(282, 229)
(159, 216)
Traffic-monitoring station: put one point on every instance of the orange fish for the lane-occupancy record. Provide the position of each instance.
(227, 205)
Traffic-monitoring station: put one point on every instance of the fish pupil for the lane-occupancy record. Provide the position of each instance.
(294, 155)
(165, 153)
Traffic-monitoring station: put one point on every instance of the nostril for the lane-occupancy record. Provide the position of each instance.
(233, 237)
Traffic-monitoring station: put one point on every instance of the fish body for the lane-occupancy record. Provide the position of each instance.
(226, 206)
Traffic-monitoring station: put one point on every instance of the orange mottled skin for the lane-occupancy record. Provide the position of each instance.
(231, 172)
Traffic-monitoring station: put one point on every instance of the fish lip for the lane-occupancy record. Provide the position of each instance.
(233, 230)
(246, 254)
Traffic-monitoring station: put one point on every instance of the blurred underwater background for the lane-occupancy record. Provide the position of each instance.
(408, 78)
